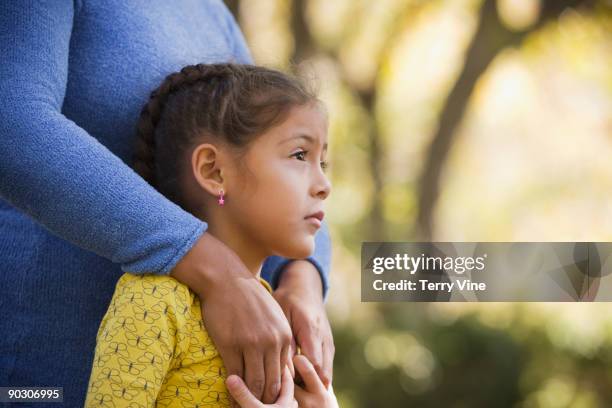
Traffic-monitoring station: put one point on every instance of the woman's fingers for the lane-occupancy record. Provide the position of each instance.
(328, 361)
(311, 346)
(291, 351)
(254, 375)
(287, 359)
(311, 379)
(273, 361)
(234, 364)
(241, 393)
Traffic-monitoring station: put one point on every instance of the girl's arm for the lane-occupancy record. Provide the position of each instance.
(53, 170)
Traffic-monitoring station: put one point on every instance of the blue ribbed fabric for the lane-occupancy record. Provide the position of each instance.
(73, 215)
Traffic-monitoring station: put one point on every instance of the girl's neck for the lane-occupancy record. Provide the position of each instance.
(239, 242)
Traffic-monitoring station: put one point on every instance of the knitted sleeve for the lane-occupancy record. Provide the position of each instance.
(57, 173)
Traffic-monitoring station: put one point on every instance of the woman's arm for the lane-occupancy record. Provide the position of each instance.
(56, 172)
(299, 294)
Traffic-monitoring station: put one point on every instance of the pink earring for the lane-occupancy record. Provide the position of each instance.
(221, 200)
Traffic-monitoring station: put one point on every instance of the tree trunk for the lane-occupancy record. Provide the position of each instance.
(491, 37)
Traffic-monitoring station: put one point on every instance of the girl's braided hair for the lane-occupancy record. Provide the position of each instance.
(229, 103)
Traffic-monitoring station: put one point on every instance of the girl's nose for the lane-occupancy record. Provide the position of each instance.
(322, 186)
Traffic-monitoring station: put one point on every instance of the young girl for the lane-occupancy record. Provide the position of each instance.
(242, 147)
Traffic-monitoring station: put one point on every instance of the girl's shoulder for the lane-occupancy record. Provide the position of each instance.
(148, 288)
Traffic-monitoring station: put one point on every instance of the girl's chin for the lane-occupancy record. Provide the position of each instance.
(299, 249)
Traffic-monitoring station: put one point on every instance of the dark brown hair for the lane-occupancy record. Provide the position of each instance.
(229, 103)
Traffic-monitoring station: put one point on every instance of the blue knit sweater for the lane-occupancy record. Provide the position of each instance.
(73, 215)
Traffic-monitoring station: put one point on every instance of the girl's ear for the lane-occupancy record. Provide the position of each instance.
(206, 167)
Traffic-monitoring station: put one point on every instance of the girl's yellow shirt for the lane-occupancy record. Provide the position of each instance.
(153, 349)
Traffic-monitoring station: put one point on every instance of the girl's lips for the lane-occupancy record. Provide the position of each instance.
(314, 221)
(319, 215)
(316, 218)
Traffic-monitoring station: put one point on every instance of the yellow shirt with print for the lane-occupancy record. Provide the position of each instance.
(153, 349)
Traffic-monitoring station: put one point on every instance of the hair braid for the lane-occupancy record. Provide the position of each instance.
(144, 151)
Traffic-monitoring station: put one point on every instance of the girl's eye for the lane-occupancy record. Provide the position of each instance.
(301, 155)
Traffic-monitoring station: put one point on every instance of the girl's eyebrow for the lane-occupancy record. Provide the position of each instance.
(304, 136)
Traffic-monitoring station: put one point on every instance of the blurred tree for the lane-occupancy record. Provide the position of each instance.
(305, 47)
(491, 37)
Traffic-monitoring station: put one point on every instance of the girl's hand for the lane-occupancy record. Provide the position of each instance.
(313, 394)
(253, 349)
(243, 396)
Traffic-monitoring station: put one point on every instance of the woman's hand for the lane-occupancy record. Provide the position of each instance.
(300, 294)
(241, 394)
(231, 298)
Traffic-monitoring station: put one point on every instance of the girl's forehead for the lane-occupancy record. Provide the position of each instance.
(307, 120)
(305, 124)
